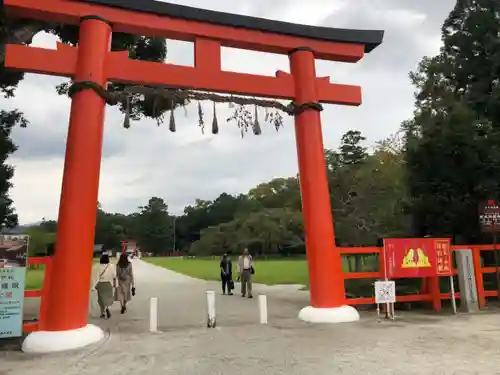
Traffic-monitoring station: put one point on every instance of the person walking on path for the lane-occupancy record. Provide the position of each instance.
(246, 270)
(105, 283)
(226, 275)
(126, 285)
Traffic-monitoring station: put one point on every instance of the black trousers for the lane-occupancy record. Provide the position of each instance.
(226, 279)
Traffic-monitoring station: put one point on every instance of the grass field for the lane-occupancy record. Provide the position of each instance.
(34, 278)
(270, 272)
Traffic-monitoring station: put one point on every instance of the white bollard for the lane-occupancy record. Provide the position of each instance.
(153, 315)
(211, 321)
(263, 308)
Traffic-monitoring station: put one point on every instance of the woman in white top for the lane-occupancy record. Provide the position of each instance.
(105, 284)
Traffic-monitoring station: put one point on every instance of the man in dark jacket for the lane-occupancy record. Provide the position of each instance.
(226, 274)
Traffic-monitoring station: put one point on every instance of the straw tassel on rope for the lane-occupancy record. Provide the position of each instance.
(172, 120)
(201, 121)
(126, 120)
(153, 102)
(215, 123)
(256, 125)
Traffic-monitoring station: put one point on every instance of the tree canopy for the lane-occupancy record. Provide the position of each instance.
(367, 200)
(453, 140)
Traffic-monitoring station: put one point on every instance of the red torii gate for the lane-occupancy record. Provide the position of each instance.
(65, 324)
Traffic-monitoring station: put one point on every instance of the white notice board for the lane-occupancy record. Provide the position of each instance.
(385, 292)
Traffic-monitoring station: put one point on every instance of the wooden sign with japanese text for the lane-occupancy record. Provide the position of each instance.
(417, 257)
(489, 216)
(444, 266)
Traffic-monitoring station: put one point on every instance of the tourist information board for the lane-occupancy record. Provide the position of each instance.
(13, 261)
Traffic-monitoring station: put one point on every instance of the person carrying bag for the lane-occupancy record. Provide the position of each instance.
(126, 284)
(105, 284)
(246, 271)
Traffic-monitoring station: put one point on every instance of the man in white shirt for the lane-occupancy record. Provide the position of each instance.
(245, 269)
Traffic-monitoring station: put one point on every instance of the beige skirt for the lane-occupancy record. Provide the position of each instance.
(123, 292)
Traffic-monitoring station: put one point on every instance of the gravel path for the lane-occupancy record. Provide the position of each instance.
(414, 344)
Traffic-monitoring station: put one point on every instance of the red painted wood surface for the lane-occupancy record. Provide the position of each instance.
(30, 326)
(70, 12)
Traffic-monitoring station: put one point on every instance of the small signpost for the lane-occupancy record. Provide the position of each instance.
(13, 260)
(385, 293)
(489, 220)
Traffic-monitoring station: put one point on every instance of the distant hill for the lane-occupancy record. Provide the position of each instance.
(21, 228)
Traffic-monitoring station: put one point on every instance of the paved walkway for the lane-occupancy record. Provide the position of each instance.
(414, 344)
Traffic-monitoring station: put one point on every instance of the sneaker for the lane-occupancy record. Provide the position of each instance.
(230, 293)
(108, 313)
(122, 311)
(250, 296)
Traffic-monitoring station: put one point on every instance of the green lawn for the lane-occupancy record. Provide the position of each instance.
(270, 272)
(34, 278)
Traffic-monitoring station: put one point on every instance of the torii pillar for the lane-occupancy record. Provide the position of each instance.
(65, 323)
(326, 281)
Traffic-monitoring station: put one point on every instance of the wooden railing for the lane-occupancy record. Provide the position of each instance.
(30, 326)
(430, 291)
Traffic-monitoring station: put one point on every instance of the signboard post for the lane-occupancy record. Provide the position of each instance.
(489, 220)
(13, 260)
(444, 266)
(385, 293)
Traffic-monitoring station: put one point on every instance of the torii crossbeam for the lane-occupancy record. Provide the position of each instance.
(65, 322)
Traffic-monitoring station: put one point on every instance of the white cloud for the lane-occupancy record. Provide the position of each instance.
(147, 160)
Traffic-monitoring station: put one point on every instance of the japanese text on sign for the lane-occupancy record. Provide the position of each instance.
(13, 258)
(443, 257)
(489, 216)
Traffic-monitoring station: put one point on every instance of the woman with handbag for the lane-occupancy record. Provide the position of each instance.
(226, 275)
(105, 282)
(126, 286)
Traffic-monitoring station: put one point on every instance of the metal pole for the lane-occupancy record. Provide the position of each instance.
(263, 309)
(453, 300)
(387, 305)
(495, 257)
(211, 320)
(153, 314)
(173, 245)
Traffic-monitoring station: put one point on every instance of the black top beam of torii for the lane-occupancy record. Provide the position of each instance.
(370, 38)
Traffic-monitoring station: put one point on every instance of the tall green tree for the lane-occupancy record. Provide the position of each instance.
(8, 119)
(453, 141)
(277, 193)
(155, 227)
(351, 149)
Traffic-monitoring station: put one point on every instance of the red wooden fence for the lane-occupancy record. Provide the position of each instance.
(430, 291)
(31, 326)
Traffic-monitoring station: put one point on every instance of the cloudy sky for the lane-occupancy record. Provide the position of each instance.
(147, 160)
